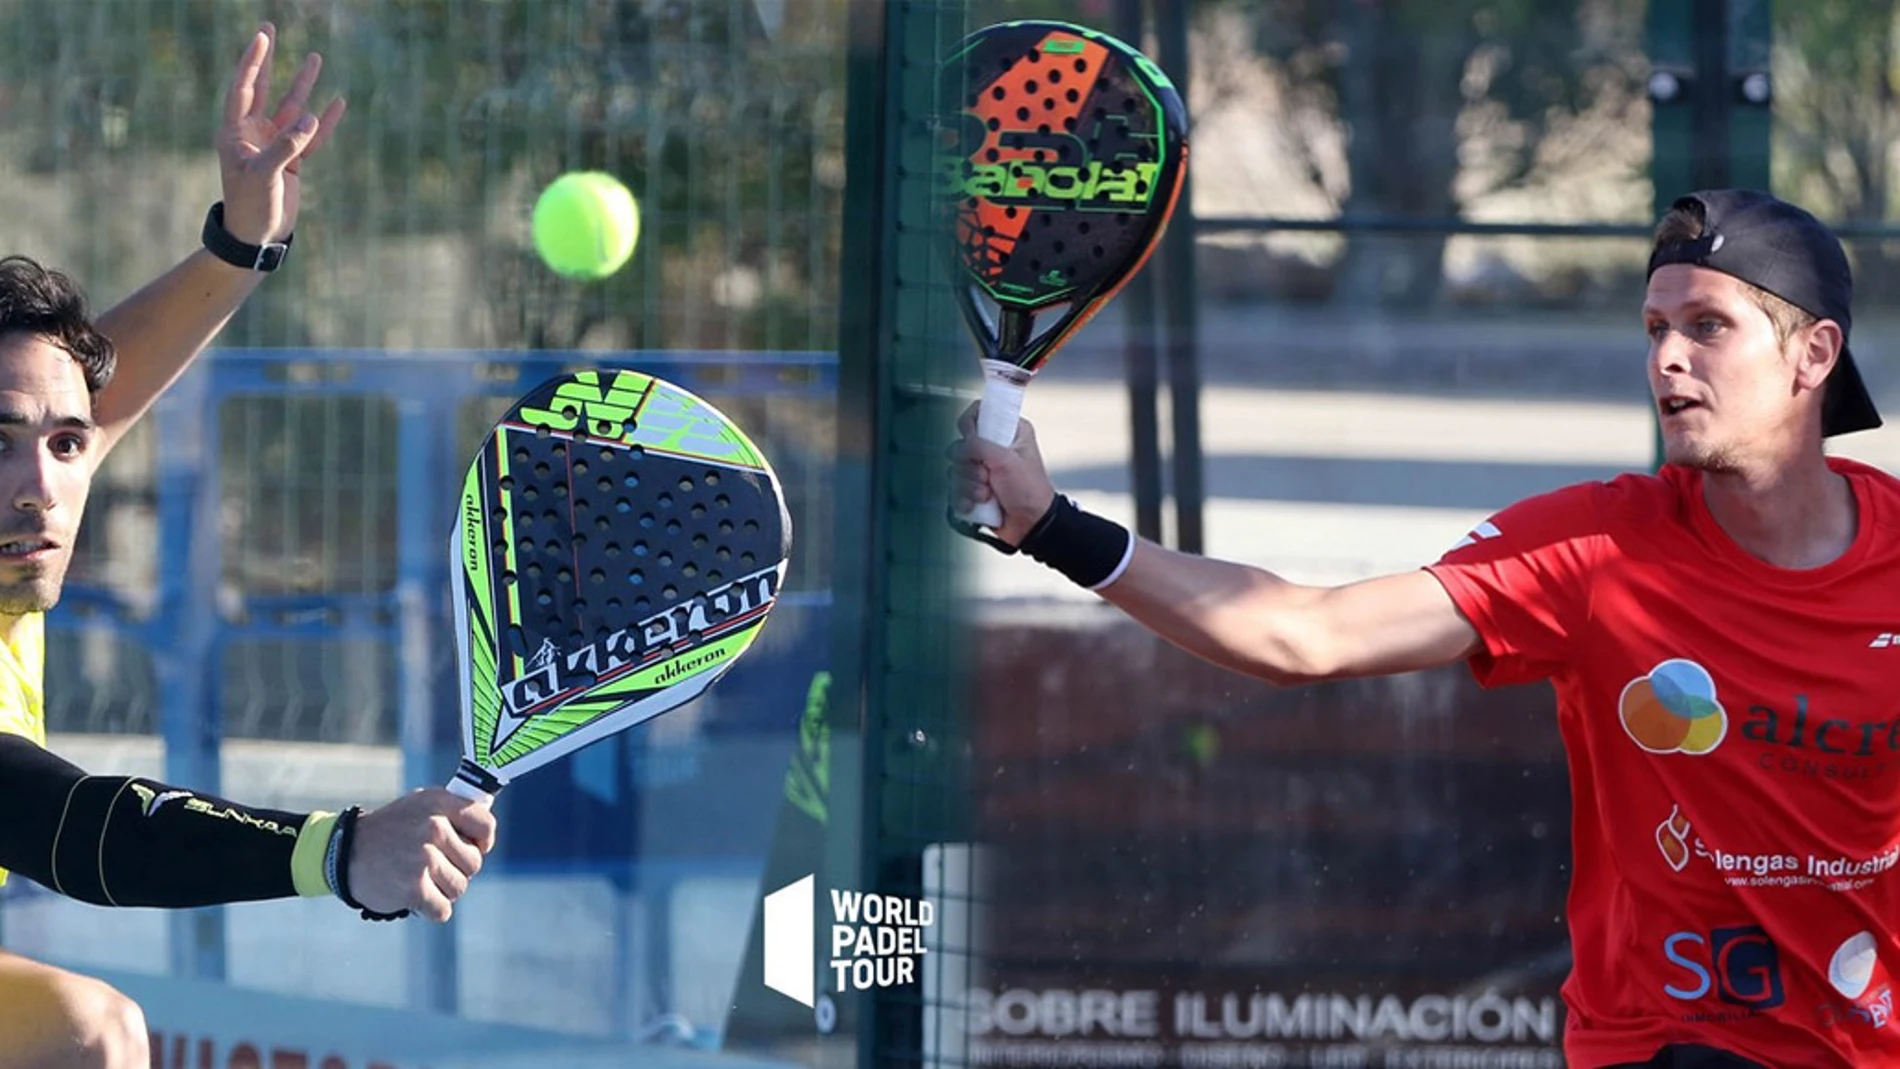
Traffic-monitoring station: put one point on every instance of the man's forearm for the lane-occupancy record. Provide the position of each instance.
(120, 841)
(160, 328)
(1237, 616)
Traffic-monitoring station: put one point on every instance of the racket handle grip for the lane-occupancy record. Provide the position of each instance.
(474, 783)
(996, 420)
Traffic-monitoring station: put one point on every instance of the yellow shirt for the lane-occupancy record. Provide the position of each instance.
(23, 683)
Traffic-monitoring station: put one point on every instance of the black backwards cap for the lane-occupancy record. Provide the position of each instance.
(1776, 246)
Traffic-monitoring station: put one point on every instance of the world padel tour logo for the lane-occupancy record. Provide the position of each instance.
(872, 941)
(1674, 709)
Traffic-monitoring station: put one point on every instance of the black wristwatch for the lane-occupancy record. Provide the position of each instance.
(221, 243)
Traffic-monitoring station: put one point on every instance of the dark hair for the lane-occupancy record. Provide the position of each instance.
(1682, 224)
(42, 302)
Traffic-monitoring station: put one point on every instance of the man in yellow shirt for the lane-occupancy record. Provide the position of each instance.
(69, 389)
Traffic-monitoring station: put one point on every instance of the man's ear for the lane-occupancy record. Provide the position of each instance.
(1820, 345)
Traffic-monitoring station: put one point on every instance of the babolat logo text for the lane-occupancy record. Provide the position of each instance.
(872, 940)
(552, 673)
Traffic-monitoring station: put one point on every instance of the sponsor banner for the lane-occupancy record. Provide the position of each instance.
(1233, 1021)
(195, 1024)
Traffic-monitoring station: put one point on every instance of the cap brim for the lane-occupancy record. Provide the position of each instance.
(1847, 406)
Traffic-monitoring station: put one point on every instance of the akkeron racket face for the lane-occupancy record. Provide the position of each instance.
(1066, 156)
(620, 544)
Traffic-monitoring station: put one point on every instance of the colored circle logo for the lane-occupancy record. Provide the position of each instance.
(1673, 709)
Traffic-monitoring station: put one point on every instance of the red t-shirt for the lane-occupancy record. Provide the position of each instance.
(1733, 732)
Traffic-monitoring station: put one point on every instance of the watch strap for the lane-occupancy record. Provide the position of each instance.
(237, 252)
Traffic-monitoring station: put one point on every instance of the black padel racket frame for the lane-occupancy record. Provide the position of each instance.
(619, 545)
(1067, 152)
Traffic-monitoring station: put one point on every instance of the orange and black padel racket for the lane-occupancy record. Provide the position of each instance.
(1066, 150)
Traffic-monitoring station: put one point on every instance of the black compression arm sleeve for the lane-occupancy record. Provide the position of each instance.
(127, 841)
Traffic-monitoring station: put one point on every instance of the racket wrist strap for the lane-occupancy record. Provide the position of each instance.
(1090, 551)
(336, 866)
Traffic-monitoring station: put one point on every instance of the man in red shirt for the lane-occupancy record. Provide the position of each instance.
(1723, 637)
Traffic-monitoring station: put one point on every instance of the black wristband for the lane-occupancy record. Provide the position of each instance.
(1087, 549)
(346, 834)
(238, 252)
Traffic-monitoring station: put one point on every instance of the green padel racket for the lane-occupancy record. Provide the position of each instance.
(1066, 151)
(619, 546)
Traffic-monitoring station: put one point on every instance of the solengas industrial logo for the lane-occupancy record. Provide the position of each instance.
(872, 940)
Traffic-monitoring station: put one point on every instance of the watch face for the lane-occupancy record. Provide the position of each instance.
(269, 256)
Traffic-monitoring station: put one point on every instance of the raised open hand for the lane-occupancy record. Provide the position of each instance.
(260, 150)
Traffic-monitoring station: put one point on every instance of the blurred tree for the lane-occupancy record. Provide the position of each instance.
(1418, 108)
(1836, 121)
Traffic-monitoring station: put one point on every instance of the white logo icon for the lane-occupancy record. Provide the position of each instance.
(788, 941)
(1886, 640)
(1482, 531)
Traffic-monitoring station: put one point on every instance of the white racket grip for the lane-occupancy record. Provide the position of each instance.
(1003, 387)
(465, 789)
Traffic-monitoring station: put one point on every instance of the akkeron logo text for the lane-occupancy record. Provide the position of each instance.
(872, 940)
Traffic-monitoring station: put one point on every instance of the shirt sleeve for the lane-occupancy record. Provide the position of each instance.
(1522, 578)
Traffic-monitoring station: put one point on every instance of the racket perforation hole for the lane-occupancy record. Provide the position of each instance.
(1031, 86)
(508, 578)
(603, 428)
(570, 412)
(1073, 97)
(622, 505)
(602, 523)
(1081, 66)
(563, 576)
(1022, 114)
(530, 494)
(748, 558)
(597, 576)
(544, 599)
(580, 467)
(752, 526)
(669, 592)
(630, 480)
(715, 576)
(686, 484)
(507, 482)
(723, 501)
(642, 603)
(698, 511)
(673, 527)
(723, 553)
(543, 431)
(666, 501)
(613, 604)
(689, 569)
(521, 454)
(725, 526)
(636, 577)
(711, 479)
(553, 546)
(613, 549)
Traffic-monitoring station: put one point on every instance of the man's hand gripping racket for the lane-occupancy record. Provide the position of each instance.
(619, 545)
(1067, 150)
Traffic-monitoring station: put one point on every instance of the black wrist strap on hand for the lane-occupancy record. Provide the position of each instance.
(346, 834)
(237, 252)
(1089, 550)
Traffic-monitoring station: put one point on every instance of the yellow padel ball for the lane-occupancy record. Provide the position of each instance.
(586, 224)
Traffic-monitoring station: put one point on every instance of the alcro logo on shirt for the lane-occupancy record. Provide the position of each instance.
(1674, 709)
